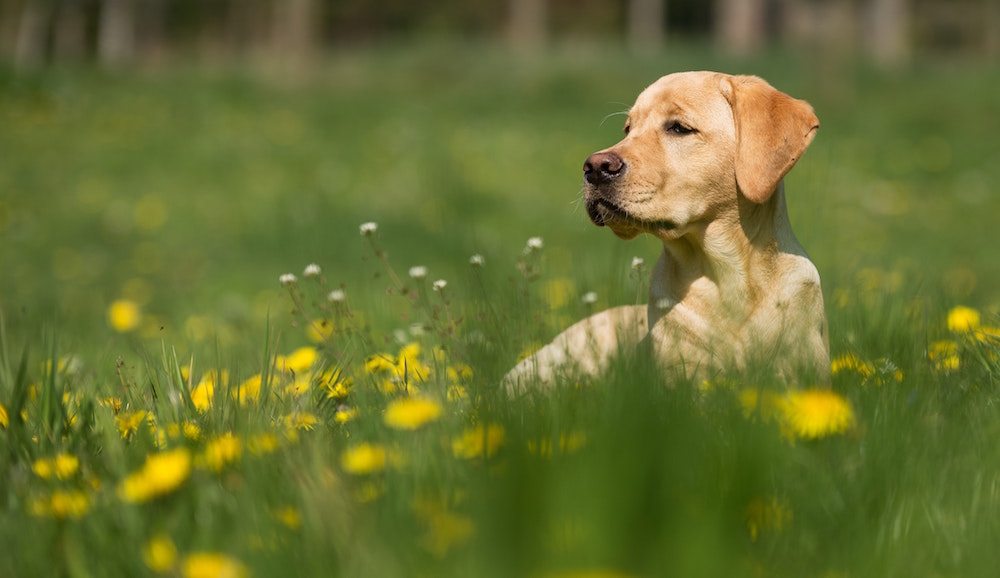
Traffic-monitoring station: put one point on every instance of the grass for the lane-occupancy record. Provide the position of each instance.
(188, 193)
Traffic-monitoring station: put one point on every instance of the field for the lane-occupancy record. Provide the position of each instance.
(168, 406)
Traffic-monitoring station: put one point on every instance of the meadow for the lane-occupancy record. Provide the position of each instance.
(254, 326)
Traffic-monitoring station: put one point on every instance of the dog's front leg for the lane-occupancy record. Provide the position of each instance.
(586, 348)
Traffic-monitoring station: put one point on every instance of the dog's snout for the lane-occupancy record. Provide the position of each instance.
(603, 167)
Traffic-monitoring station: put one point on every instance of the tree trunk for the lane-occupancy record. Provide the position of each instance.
(739, 25)
(295, 33)
(889, 31)
(70, 42)
(116, 33)
(528, 26)
(33, 30)
(646, 21)
(991, 20)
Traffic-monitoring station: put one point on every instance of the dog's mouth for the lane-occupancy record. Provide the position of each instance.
(604, 212)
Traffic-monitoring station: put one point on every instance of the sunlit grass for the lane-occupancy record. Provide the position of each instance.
(214, 362)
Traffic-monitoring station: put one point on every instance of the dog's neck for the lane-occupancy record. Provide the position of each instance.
(722, 267)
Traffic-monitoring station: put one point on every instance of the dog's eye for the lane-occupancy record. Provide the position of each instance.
(678, 128)
(627, 128)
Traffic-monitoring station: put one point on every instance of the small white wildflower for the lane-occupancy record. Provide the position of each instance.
(312, 270)
(287, 279)
(477, 260)
(440, 284)
(418, 272)
(664, 303)
(589, 298)
(637, 263)
(336, 296)
(417, 329)
(535, 243)
(367, 229)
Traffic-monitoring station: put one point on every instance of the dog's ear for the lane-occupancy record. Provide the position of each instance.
(772, 131)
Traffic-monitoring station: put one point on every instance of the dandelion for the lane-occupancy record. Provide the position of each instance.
(128, 422)
(159, 553)
(4, 419)
(445, 529)
(336, 296)
(264, 443)
(61, 504)
(289, 516)
(963, 319)
(249, 391)
(763, 515)
(312, 270)
(534, 244)
(124, 316)
(440, 284)
(637, 263)
(944, 355)
(202, 395)
(345, 414)
(589, 298)
(418, 272)
(212, 565)
(301, 420)
(368, 229)
(62, 466)
(815, 413)
(477, 260)
(220, 452)
(411, 413)
(363, 459)
(160, 475)
(478, 441)
(299, 360)
(288, 279)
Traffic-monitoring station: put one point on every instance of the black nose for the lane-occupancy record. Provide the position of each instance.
(603, 167)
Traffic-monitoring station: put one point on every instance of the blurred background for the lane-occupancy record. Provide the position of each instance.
(180, 155)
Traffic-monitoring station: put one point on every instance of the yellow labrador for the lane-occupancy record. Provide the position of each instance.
(701, 169)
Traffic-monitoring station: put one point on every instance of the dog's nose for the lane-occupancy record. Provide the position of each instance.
(603, 167)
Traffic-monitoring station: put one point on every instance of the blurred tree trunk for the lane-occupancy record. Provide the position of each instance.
(70, 42)
(295, 33)
(152, 40)
(646, 21)
(33, 29)
(116, 33)
(889, 31)
(739, 25)
(528, 24)
(991, 18)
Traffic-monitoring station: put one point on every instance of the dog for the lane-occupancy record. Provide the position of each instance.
(701, 168)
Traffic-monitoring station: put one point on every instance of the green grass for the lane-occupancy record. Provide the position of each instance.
(189, 192)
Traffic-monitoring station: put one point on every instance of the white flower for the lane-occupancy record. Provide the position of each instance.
(664, 303)
(418, 272)
(312, 270)
(336, 296)
(287, 279)
(440, 284)
(477, 260)
(417, 329)
(637, 263)
(367, 229)
(535, 243)
(589, 298)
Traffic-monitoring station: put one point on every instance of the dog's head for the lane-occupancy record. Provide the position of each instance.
(693, 142)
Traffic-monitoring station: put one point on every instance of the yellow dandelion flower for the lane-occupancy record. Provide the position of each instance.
(766, 515)
(299, 360)
(445, 529)
(247, 392)
(319, 331)
(568, 443)
(963, 319)
(764, 403)
(850, 362)
(212, 565)
(557, 292)
(191, 430)
(476, 441)
(363, 459)
(128, 422)
(411, 413)
(335, 386)
(815, 413)
(379, 363)
(220, 452)
(264, 443)
(4, 419)
(160, 553)
(124, 315)
(345, 415)
(369, 491)
(457, 393)
(300, 385)
(459, 372)
(161, 474)
(61, 504)
(62, 466)
(288, 516)
(202, 396)
(113, 402)
(944, 355)
(301, 420)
